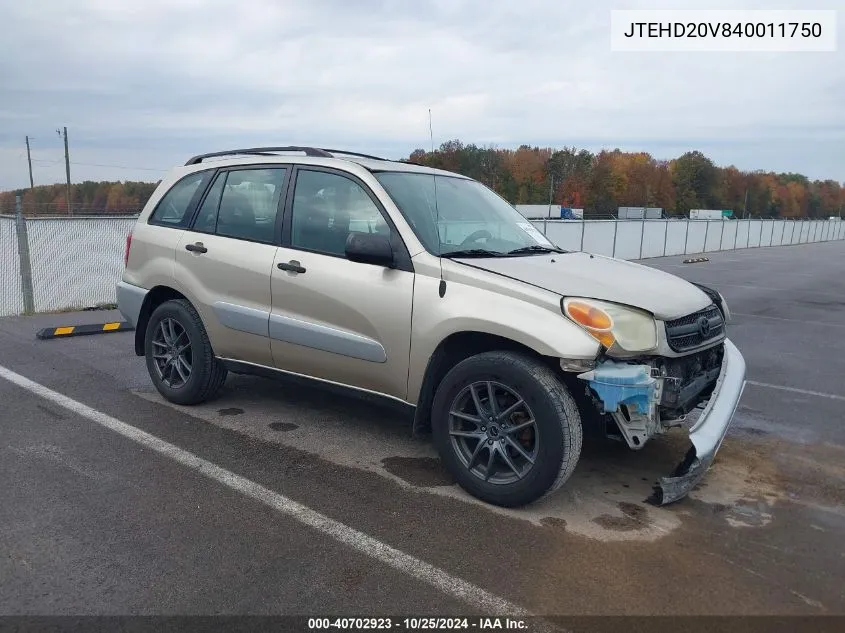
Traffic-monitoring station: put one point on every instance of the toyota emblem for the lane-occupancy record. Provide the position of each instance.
(704, 327)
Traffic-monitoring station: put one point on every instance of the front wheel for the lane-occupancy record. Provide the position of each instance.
(506, 428)
(179, 357)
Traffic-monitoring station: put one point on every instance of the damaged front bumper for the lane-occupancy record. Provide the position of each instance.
(708, 431)
(633, 394)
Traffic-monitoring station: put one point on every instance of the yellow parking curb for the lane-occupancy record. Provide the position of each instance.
(83, 330)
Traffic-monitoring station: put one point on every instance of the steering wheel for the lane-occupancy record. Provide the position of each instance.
(477, 235)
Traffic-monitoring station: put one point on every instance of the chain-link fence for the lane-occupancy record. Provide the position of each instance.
(76, 262)
(11, 297)
(49, 264)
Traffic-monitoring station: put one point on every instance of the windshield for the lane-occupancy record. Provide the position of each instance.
(467, 216)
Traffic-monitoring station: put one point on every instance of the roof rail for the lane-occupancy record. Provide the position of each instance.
(358, 154)
(269, 151)
(260, 151)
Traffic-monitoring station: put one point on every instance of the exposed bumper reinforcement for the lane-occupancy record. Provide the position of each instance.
(708, 431)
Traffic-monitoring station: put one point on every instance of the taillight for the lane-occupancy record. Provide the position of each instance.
(126, 252)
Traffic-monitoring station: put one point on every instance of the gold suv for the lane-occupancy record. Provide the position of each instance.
(425, 287)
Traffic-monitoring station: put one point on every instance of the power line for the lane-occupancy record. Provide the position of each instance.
(45, 160)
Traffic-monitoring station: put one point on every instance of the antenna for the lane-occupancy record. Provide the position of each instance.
(442, 289)
(430, 131)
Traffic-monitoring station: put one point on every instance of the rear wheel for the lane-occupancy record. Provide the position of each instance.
(506, 428)
(179, 357)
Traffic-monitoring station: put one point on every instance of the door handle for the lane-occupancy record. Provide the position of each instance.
(292, 266)
(196, 248)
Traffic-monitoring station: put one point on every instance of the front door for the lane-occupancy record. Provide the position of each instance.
(225, 259)
(331, 318)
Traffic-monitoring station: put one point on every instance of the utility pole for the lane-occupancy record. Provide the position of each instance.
(551, 193)
(29, 161)
(745, 205)
(67, 169)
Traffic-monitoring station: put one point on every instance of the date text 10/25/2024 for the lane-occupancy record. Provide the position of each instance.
(418, 623)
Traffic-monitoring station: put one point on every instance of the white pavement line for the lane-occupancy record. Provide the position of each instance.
(806, 392)
(774, 318)
(456, 587)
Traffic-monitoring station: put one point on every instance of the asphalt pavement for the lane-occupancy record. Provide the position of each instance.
(96, 521)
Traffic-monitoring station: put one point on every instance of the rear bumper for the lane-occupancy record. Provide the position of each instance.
(129, 301)
(708, 431)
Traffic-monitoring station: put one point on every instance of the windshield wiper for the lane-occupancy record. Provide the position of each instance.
(473, 252)
(536, 248)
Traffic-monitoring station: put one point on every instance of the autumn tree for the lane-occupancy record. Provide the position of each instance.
(696, 181)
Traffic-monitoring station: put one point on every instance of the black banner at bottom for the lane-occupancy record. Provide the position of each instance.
(574, 624)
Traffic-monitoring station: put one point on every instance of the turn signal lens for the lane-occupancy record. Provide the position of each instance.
(589, 316)
(605, 338)
(597, 322)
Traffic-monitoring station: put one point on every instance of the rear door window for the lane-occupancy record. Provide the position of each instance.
(175, 208)
(243, 204)
(206, 221)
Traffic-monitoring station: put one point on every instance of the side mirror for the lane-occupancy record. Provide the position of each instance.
(369, 248)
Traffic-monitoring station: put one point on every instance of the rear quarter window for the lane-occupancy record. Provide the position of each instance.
(176, 207)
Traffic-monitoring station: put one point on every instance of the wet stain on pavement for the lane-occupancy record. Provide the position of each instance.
(554, 522)
(283, 426)
(633, 518)
(230, 411)
(418, 471)
(749, 513)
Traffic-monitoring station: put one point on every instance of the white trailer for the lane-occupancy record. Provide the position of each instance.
(639, 213)
(706, 214)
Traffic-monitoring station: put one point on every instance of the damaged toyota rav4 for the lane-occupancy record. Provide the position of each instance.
(424, 287)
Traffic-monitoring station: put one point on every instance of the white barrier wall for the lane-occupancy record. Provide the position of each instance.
(729, 236)
(566, 235)
(639, 239)
(676, 235)
(654, 238)
(599, 237)
(696, 236)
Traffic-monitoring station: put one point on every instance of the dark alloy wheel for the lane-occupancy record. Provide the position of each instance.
(493, 432)
(172, 353)
(180, 360)
(506, 427)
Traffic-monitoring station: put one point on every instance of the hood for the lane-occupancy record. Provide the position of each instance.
(597, 277)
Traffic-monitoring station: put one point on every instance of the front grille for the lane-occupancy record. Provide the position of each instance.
(695, 329)
(689, 379)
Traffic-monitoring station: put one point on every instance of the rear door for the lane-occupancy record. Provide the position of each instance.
(154, 242)
(331, 318)
(226, 257)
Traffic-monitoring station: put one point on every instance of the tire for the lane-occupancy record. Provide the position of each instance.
(554, 441)
(207, 374)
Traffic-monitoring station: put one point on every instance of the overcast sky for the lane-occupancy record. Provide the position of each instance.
(145, 84)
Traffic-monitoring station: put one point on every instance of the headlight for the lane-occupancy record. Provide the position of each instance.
(610, 323)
